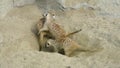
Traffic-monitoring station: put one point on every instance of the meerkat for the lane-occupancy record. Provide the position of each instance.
(67, 45)
(50, 41)
(42, 34)
(54, 31)
(60, 35)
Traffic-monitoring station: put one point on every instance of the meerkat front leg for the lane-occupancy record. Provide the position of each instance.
(43, 32)
(41, 39)
(45, 28)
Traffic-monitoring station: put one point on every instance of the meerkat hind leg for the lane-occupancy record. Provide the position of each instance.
(70, 46)
(70, 50)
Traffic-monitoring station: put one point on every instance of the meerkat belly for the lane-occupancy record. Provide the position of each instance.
(56, 30)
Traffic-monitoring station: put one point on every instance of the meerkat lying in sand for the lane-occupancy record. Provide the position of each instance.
(69, 47)
(66, 46)
(46, 41)
(45, 35)
(59, 35)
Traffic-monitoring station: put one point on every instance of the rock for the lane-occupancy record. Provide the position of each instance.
(5, 6)
(72, 3)
(23, 2)
(47, 5)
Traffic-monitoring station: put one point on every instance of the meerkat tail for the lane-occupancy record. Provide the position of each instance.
(72, 33)
(89, 49)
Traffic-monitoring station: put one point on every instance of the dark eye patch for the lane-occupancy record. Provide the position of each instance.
(45, 14)
(47, 45)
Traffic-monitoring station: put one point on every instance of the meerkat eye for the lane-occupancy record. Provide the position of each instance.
(47, 45)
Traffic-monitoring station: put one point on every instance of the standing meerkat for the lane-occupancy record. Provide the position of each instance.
(53, 27)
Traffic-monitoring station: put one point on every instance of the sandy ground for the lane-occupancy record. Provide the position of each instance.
(19, 46)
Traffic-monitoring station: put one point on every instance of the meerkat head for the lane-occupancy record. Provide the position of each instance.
(48, 47)
(50, 16)
(55, 45)
(51, 43)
